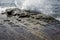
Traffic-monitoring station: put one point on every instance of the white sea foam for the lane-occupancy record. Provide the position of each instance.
(2, 9)
(44, 6)
(48, 7)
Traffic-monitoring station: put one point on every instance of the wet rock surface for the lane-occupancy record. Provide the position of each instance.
(28, 25)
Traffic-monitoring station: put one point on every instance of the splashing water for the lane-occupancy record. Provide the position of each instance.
(48, 7)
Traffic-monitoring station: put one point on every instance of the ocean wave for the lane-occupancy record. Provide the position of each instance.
(44, 6)
(48, 7)
(2, 9)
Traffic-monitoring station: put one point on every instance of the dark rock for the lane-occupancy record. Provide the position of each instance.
(29, 25)
(12, 12)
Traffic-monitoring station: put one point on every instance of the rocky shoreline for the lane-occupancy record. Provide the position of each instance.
(28, 25)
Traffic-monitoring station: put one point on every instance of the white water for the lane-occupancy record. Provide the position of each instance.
(48, 7)
(2, 9)
(44, 6)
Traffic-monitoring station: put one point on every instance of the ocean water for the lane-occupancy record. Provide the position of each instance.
(2, 9)
(48, 7)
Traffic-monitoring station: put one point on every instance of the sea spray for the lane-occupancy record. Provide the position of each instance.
(40, 5)
(48, 7)
(19, 3)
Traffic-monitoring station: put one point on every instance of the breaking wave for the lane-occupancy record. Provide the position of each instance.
(48, 7)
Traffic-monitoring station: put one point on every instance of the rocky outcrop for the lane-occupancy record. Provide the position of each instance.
(29, 25)
(28, 13)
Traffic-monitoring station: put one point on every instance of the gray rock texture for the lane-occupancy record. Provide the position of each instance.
(28, 25)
